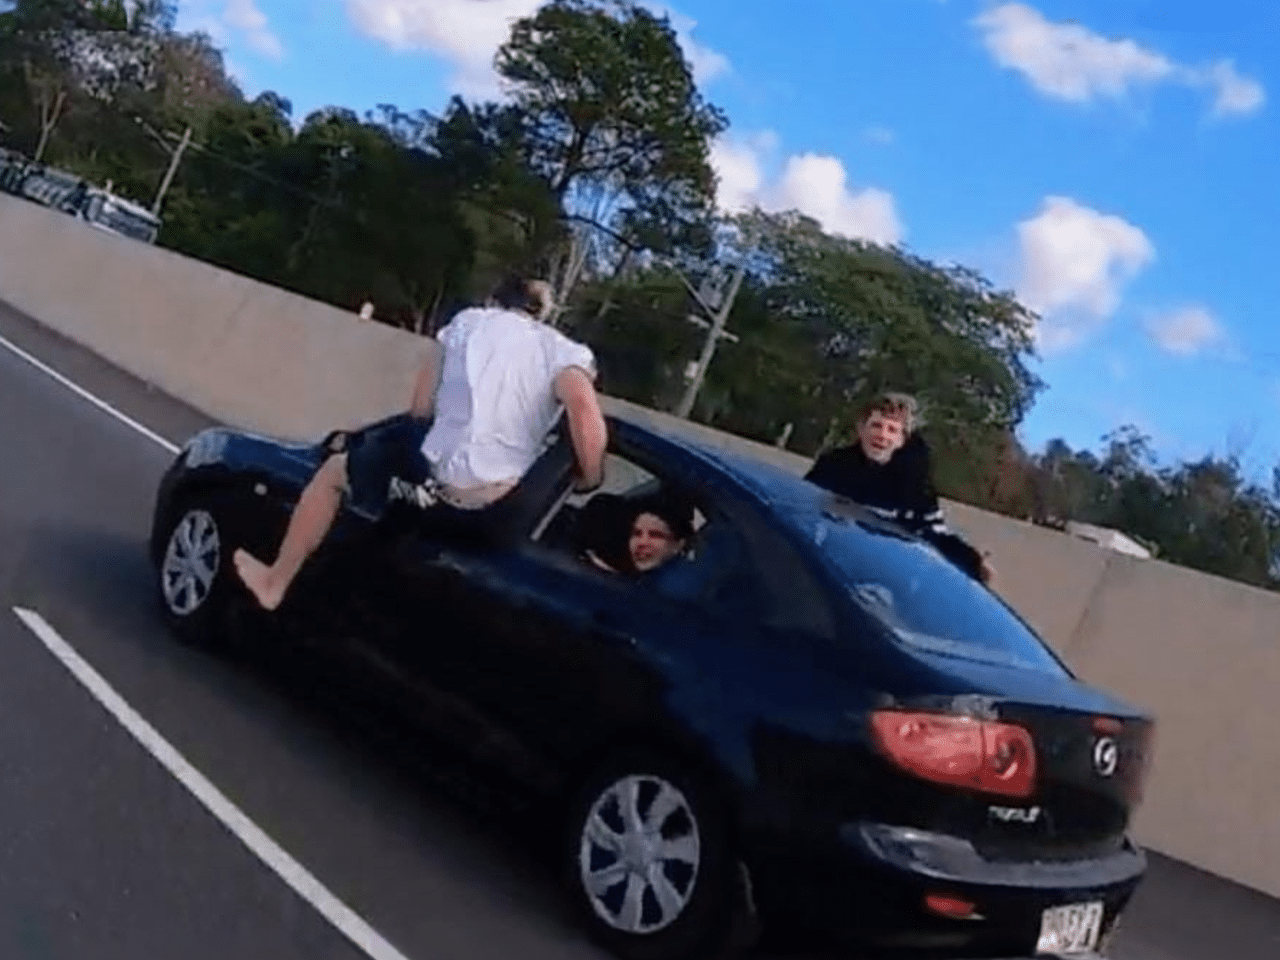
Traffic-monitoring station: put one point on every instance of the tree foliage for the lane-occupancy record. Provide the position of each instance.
(594, 168)
(614, 123)
(1205, 514)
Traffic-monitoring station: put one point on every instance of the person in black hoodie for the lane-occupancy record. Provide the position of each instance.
(888, 469)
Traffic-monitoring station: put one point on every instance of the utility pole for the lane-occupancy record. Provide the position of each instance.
(718, 321)
(173, 169)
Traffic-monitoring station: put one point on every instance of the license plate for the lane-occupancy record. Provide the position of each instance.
(1070, 929)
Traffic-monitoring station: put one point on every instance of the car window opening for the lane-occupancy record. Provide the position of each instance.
(639, 526)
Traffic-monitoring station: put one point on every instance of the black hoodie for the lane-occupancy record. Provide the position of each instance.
(902, 489)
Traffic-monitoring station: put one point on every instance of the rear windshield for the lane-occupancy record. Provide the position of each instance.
(925, 600)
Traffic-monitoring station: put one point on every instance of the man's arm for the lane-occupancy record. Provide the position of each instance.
(821, 471)
(428, 382)
(924, 513)
(587, 429)
(839, 471)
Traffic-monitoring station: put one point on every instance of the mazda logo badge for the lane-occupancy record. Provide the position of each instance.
(1106, 756)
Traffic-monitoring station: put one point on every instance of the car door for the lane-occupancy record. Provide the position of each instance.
(566, 651)
(331, 633)
(415, 618)
(569, 655)
(539, 656)
(322, 620)
(399, 599)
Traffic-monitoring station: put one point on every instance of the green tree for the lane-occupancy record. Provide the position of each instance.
(59, 51)
(877, 318)
(37, 51)
(615, 124)
(1202, 514)
(820, 323)
(385, 224)
(509, 208)
(234, 202)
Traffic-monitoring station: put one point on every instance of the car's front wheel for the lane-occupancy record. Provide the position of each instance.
(195, 569)
(647, 862)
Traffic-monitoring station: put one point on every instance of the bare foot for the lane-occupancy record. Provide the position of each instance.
(257, 577)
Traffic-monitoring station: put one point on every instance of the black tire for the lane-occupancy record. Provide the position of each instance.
(197, 613)
(704, 926)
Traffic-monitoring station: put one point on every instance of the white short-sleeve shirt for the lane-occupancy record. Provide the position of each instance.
(496, 400)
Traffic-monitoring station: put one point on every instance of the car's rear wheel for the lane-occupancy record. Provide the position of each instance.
(647, 862)
(194, 574)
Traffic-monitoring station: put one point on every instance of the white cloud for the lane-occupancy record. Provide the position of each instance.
(468, 34)
(882, 136)
(814, 184)
(738, 166)
(818, 185)
(226, 21)
(707, 64)
(1186, 331)
(240, 76)
(1070, 62)
(1234, 93)
(1074, 264)
(246, 17)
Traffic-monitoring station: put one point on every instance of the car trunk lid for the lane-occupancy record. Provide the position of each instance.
(1089, 757)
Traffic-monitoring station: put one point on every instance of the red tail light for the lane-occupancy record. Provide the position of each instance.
(996, 758)
(951, 907)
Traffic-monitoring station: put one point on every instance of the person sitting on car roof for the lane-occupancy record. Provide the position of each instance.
(888, 470)
(495, 394)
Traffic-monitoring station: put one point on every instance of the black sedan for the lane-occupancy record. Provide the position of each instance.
(806, 721)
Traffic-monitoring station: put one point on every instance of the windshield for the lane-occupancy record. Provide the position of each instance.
(924, 600)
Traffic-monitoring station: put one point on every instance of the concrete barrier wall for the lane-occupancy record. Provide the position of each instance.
(1197, 651)
(241, 351)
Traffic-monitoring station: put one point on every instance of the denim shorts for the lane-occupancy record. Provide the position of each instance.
(387, 467)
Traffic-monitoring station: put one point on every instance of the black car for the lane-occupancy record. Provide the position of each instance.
(810, 718)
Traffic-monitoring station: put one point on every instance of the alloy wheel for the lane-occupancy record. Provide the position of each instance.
(191, 562)
(639, 854)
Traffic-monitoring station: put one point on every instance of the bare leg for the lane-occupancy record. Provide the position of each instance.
(311, 520)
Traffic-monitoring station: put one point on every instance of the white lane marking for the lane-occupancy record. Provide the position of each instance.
(84, 394)
(347, 921)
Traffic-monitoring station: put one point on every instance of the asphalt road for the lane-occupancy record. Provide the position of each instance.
(107, 855)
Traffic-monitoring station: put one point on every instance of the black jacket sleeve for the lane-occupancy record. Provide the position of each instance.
(922, 511)
(824, 471)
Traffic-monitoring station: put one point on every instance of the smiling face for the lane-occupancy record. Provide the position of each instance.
(652, 543)
(881, 435)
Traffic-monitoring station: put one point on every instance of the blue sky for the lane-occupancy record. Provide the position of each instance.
(1113, 161)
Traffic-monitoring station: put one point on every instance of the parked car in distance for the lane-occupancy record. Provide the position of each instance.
(810, 718)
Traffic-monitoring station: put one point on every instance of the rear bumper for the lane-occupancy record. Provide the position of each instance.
(869, 887)
(941, 858)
